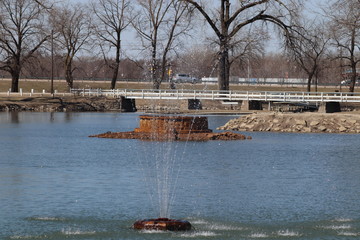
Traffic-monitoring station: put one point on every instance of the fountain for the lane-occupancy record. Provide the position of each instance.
(162, 224)
(169, 129)
(173, 128)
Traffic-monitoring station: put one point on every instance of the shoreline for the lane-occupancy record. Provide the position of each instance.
(104, 104)
(58, 104)
(250, 121)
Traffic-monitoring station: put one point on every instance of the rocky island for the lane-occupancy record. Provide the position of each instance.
(296, 122)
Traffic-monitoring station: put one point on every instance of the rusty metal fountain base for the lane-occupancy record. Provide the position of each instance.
(173, 128)
(162, 224)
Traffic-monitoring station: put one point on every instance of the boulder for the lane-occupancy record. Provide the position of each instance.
(322, 128)
(300, 122)
(314, 123)
(342, 129)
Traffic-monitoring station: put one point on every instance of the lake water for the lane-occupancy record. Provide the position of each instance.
(57, 183)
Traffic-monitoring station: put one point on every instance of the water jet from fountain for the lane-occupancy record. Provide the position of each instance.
(170, 128)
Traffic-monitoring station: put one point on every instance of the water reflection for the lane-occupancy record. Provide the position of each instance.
(52, 117)
(14, 116)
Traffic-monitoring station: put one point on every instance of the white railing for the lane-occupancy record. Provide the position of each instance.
(33, 93)
(223, 95)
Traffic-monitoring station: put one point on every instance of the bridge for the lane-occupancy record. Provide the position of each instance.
(266, 96)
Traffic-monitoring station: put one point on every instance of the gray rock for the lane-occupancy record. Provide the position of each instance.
(314, 123)
(306, 129)
(300, 122)
(342, 129)
(352, 121)
(322, 128)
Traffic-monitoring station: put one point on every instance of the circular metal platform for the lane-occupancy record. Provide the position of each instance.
(162, 224)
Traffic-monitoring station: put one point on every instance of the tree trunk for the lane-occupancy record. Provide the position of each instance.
(308, 85)
(156, 84)
(117, 61)
(224, 64)
(115, 75)
(154, 64)
(154, 74)
(15, 75)
(224, 67)
(163, 66)
(68, 75)
(68, 70)
(353, 78)
(310, 77)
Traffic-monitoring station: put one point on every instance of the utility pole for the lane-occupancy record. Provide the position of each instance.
(52, 62)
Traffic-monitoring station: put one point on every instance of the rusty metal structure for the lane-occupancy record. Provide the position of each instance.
(173, 128)
(168, 125)
(162, 224)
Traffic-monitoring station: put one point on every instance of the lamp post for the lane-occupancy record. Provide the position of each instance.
(52, 62)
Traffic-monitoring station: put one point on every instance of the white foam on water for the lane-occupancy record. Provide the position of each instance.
(258, 235)
(152, 231)
(337, 227)
(199, 221)
(76, 232)
(199, 234)
(343, 220)
(222, 227)
(48, 219)
(25, 237)
(288, 233)
(348, 234)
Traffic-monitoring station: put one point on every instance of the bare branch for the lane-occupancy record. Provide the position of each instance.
(21, 34)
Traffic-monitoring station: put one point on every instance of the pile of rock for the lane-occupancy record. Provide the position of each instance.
(296, 122)
(227, 136)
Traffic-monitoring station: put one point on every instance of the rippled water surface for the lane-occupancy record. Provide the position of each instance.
(57, 183)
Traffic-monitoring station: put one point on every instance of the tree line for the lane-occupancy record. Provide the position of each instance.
(220, 38)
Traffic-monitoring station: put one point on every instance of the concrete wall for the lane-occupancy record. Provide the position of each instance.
(329, 107)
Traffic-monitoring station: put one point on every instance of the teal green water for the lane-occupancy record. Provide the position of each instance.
(56, 183)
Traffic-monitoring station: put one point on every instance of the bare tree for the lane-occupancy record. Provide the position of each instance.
(345, 29)
(72, 28)
(232, 17)
(113, 18)
(248, 46)
(160, 23)
(197, 61)
(21, 35)
(308, 48)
